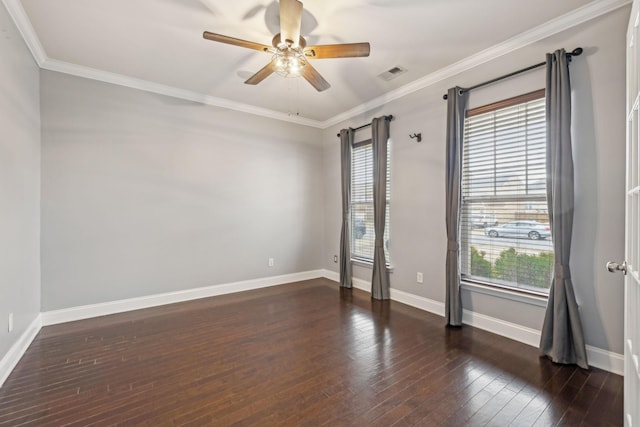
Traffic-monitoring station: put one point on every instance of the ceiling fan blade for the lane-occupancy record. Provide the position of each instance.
(290, 21)
(265, 72)
(313, 76)
(346, 50)
(236, 42)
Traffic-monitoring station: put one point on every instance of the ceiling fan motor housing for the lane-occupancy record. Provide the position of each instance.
(277, 42)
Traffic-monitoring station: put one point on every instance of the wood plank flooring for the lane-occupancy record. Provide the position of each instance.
(302, 354)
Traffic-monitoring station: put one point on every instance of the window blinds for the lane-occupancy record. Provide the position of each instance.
(362, 230)
(504, 195)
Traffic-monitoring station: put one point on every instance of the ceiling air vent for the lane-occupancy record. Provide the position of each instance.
(392, 73)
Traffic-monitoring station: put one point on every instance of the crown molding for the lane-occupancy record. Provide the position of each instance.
(20, 18)
(576, 17)
(147, 86)
(22, 22)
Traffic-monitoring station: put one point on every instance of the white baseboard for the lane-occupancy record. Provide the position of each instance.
(607, 360)
(598, 358)
(416, 301)
(361, 284)
(15, 353)
(94, 310)
(501, 327)
(331, 275)
(426, 304)
(17, 350)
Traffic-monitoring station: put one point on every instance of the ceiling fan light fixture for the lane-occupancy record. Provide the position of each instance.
(289, 62)
(290, 57)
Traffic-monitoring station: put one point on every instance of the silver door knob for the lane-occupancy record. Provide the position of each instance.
(614, 266)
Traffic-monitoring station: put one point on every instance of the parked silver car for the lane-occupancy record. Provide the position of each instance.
(483, 220)
(534, 230)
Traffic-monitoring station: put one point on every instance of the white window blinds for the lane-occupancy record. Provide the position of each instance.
(505, 237)
(362, 231)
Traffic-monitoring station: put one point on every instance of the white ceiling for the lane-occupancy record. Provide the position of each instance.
(157, 45)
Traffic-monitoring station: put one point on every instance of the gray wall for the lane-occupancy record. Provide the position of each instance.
(144, 194)
(418, 240)
(19, 184)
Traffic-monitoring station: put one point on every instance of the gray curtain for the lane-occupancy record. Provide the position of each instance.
(346, 142)
(380, 136)
(562, 339)
(456, 107)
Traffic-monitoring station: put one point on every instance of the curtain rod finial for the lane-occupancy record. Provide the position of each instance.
(577, 51)
(445, 96)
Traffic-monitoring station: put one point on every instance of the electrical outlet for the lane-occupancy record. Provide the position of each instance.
(335, 258)
(419, 277)
(10, 326)
(270, 262)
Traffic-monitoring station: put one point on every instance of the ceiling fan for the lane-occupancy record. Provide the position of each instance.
(290, 51)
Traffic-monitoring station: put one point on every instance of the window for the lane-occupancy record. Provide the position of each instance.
(505, 233)
(362, 231)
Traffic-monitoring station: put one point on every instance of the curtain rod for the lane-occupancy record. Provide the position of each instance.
(389, 117)
(575, 52)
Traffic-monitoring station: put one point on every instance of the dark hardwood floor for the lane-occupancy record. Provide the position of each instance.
(303, 354)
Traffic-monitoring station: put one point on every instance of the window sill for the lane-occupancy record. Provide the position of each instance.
(523, 297)
(369, 264)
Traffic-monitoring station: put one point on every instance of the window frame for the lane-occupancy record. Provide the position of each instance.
(358, 258)
(474, 283)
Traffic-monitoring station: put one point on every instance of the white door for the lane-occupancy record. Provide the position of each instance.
(632, 248)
